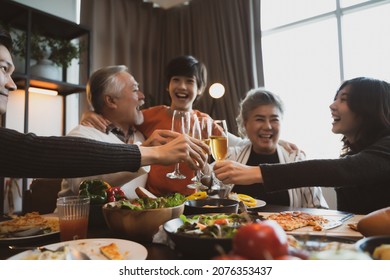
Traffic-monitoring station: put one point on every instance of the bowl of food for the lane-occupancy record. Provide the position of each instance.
(205, 236)
(210, 205)
(139, 219)
(378, 247)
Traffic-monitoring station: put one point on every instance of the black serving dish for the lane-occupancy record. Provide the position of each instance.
(210, 205)
(195, 247)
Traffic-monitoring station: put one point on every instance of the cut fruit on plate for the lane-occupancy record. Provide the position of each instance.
(197, 195)
(248, 200)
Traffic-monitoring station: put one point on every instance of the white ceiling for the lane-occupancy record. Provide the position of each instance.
(167, 4)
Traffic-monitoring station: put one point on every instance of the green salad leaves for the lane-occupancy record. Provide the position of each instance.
(151, 203)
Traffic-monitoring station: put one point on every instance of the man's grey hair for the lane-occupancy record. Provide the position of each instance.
(104, 82)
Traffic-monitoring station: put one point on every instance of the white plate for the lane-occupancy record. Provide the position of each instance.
(15, 240)
(259, 203)
(130, 250)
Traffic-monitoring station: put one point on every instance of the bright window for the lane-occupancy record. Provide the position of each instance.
(309, 47)
(292, 10)
(366, 43)
(305, 62)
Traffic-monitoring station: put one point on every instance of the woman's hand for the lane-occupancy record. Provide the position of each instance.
(182, 148)
(231, 172)
(94, 120)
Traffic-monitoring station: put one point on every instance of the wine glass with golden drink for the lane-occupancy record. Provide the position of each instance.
(219, 141)
(219, 150)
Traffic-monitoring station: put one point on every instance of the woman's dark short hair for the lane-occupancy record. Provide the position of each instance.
(188, 66)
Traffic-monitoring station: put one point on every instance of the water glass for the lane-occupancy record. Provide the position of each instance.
(73, 212)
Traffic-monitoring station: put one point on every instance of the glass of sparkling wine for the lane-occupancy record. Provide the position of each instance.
(181, 122)
(219, 141)
(219, 150)
(201, 129)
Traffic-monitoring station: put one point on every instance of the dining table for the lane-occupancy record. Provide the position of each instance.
(156, 251)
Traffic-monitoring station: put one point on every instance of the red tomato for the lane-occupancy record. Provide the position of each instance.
(260, 241)
(221, 221)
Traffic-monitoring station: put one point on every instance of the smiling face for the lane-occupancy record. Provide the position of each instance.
(263, 128)
(183, 92)
(344, 120)
(127, 102)
(6, 83)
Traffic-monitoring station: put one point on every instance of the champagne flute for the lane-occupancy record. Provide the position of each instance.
(218, 141)
(180, 123)
(201, 130)
(219, 150)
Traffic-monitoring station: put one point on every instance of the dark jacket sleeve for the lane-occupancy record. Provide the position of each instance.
(31, 156)
(370, 166)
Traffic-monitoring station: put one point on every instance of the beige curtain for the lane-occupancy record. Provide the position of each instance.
(220, 33)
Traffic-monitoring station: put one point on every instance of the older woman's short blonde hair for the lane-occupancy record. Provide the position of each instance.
(253, 99)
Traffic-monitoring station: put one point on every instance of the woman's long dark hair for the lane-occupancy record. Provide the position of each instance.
(369, 99)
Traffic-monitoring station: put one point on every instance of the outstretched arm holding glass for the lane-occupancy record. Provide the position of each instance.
(360, 113)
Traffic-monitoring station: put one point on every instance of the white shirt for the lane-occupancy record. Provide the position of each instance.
(124, 179)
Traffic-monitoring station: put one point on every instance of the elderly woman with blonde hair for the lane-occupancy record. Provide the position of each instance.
(259, 122)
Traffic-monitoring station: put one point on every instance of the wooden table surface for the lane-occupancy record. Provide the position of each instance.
(160, 252)
(342, 231)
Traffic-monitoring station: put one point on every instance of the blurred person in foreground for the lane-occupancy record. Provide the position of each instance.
(259, 123)
(28, 155)
(361, 176)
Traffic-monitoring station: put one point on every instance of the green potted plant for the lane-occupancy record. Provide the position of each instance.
(46, 52)
(63, 52)
(38, 46)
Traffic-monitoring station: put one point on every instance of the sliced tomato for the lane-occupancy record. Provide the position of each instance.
(222, 221)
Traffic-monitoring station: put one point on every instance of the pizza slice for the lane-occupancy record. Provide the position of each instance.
(111, 251)
(295, 220)
(28, 221)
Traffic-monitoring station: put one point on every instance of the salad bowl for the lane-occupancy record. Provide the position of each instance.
(138, 224)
